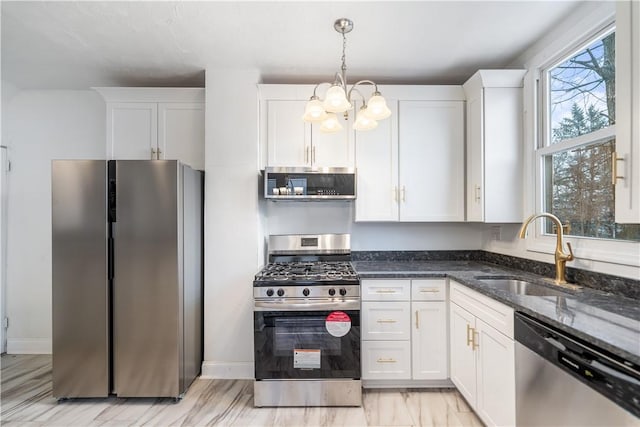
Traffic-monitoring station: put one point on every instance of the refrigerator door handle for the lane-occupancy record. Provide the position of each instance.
(110, 256)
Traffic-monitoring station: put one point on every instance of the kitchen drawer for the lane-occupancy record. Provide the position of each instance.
(429, 289)
(492, 312)
(386, 289)
(386, 320)
(386, 360)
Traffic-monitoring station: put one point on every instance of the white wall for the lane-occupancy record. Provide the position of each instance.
(232, 223)
(337, 217)
(39, 126)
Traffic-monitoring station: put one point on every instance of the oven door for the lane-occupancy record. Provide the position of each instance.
(310, 344)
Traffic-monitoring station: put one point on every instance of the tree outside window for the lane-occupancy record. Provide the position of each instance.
(581, 102)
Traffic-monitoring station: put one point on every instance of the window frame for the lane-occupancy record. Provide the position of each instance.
(585, 248)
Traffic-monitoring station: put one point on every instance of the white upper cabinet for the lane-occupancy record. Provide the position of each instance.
(411, 167)
(377, 169)
(494, 146)
(181, 132)
(627, 156)
(155, 124)
(431, 136)
(132, 130)
(286, 140)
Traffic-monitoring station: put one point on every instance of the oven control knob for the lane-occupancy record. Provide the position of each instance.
(305, 292)
(269, 292)
(332, 292)
(343, 291)
(280, 292)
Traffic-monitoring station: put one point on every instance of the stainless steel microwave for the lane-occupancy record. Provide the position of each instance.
(300, 183)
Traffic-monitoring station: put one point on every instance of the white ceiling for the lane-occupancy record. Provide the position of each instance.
(76, 45)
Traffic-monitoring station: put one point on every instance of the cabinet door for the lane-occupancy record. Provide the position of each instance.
(462, 355)
(627, 188)
(377, 169)
(429, 341)
(181, 133)
(501, 196)
(475, 157)
(386, 360)
(288, 137)
(333, 149)
(431, 140)
(132, 130)
(385, 320)
(496, 403)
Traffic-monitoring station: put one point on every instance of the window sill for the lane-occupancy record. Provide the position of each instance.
(620, 253)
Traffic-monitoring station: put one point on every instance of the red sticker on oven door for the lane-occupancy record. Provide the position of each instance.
(338, 323)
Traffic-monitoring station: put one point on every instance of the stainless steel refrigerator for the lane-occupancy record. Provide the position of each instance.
(127, 248)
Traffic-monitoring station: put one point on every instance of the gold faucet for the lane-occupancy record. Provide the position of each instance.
(560, 256)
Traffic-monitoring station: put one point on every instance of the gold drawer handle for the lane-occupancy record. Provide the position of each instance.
(429, 290)
(387, 321)
(385, 291)
(474, 343)
(387, 360)
(469, 335)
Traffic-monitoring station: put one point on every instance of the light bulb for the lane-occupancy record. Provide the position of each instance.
(377, 108)
(331, 124)
(363, 121)
(314, 111)
(336, 100)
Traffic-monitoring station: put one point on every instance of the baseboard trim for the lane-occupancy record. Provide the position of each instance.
(29, 346)
(227, 370)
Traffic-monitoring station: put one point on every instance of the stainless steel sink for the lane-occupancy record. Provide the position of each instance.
(522, 287)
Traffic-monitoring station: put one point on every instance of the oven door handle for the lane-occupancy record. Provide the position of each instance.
(307, 306)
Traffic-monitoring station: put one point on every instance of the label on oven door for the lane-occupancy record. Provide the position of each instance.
(306, 359)
(338, 323)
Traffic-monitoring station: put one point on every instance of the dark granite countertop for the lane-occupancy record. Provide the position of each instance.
(608, 321)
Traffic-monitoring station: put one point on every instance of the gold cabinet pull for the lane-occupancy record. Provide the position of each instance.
(474, 343)
(154, 156)
(306, 155)
(385, 291)
(429, 290)
(417, 321)
(381, 360)
(477, 193)
(313, 155)
(387, 321)
(395, 193)
(469, 335)
(403, 194)
(614, 167)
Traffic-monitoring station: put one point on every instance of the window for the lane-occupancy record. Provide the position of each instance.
(578, 139)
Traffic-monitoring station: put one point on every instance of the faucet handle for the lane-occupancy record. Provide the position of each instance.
(569, 257)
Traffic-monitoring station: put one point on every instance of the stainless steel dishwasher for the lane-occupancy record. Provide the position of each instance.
(562, 381)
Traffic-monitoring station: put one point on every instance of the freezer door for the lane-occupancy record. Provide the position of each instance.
(80, 294)
(147, 284)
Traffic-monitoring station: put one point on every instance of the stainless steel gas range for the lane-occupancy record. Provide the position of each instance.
(307, 323)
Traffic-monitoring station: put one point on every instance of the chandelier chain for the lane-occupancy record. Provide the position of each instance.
(344, 57)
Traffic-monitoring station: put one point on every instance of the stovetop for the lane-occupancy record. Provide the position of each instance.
(306, 274)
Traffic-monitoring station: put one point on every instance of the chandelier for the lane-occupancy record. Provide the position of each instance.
(338, 98)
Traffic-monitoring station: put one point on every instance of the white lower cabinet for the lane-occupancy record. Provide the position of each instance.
(386, 360)
(404, 331)
(429, 340)
(482, 354)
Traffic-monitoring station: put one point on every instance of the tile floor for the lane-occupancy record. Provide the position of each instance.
(26, 400)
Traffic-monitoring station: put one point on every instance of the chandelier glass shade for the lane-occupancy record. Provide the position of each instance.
(339, 98)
